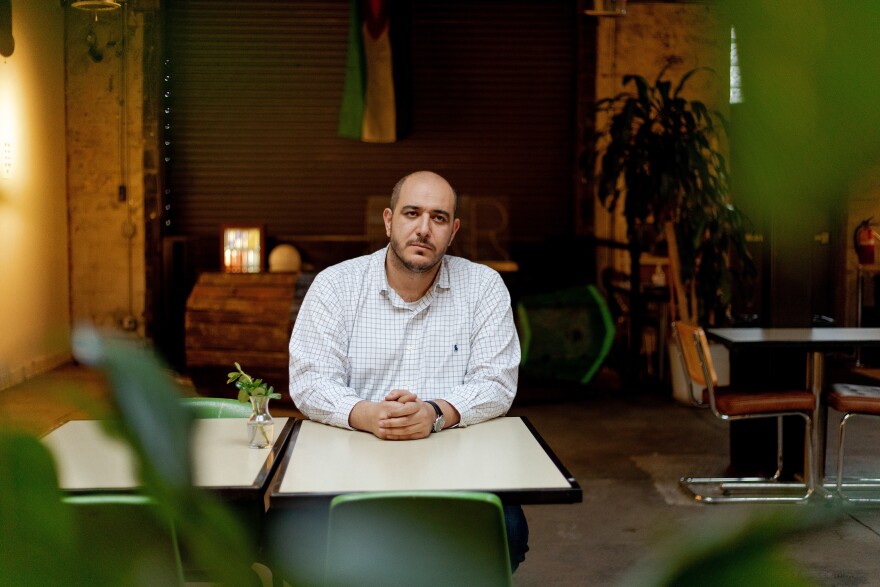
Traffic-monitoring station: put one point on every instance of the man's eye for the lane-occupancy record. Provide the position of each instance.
(440, 219)
(411, 214)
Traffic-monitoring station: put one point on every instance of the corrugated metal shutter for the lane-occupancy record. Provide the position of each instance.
(253, 98)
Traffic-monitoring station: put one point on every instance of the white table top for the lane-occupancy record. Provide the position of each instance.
(88, 459)
(503, 456)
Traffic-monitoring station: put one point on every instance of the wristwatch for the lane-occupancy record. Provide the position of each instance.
(440, 421)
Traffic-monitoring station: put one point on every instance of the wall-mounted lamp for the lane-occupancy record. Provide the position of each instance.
(96, 53)
(607, 8)
(96, 5)
(242, 249)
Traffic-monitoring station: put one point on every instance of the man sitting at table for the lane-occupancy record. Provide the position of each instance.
(409, 341)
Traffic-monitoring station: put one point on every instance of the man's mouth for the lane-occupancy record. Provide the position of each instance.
(421, 245)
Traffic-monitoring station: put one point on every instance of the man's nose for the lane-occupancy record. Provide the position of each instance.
(423, 227)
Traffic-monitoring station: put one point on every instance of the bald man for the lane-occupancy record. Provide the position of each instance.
(409, 341)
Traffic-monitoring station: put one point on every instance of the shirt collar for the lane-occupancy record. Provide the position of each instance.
(380, 278)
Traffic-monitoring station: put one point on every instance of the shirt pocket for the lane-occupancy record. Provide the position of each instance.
(446, 364)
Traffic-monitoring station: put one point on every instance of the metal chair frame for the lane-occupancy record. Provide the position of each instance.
(860, 483)
(698, 367)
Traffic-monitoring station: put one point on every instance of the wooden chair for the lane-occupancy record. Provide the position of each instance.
(740, 405)
(854, 400)
(417, 538)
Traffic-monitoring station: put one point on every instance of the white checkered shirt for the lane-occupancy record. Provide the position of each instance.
(356, 339)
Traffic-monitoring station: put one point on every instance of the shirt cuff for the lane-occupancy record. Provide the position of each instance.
(343, 411)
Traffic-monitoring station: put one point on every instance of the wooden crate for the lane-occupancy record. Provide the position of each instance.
(243, 317)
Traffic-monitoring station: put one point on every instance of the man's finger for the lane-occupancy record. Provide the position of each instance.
(410, 433)
(398, 410)
(395, 394)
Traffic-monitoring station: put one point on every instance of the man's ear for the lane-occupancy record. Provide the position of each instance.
(386, 216)
(455, 226)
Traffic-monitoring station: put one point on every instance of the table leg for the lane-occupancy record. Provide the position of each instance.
(815, 382)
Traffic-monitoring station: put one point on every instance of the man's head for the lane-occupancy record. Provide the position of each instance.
(421, 221)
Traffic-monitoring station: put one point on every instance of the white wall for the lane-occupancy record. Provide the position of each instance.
(34, 276)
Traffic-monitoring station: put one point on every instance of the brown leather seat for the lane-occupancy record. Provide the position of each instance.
(743, 403)
(855, 399)
(729, 404)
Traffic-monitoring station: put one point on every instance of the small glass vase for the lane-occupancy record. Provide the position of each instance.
(260, 425)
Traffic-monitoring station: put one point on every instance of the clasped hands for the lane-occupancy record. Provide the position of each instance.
(400, 416)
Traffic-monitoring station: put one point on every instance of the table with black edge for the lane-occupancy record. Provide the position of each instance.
(505, 456)
(815, 342)
(90, 461)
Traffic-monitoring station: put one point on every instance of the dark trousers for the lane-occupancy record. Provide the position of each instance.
(517, 534)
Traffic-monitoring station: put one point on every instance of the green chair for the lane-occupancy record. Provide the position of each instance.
(417, 538)
(565, 334)
(123, 535)
(217, 407)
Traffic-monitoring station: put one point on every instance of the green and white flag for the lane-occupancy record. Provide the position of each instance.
(368, 111)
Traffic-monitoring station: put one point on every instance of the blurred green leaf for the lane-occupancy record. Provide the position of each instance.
(152, 420)
(148, 401)
(810, 80)
(744, 549)
(36, 527)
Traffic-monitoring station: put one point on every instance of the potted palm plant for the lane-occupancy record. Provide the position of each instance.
(661, 157)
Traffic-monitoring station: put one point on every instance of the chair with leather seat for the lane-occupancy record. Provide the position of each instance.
(417, 538)
(216, 407)
(733, 405)
(854, 400)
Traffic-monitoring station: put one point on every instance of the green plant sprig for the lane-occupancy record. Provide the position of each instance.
(249, 387)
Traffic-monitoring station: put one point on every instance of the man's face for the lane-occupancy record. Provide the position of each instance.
(422, 226)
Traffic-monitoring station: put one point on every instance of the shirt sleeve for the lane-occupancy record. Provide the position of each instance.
(490, 381)
(319, 364)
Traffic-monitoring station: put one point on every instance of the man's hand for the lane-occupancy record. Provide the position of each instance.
(401, 416)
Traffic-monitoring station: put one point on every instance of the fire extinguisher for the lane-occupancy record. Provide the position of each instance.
(864, 240)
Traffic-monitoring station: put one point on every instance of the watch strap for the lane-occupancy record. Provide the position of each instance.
(438, 411)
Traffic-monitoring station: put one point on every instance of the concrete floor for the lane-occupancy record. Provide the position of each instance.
(627, 450)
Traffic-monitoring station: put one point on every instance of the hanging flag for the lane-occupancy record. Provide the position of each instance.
(368, 111)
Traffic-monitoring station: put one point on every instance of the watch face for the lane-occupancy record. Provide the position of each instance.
(439, 423)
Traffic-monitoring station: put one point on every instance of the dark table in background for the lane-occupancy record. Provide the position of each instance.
(814, 342)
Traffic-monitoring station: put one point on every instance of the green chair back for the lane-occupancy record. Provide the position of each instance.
(125, 538)
(565, 334)
(417, 538)
(217, 407)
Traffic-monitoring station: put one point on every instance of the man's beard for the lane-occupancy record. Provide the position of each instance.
(417, 268)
